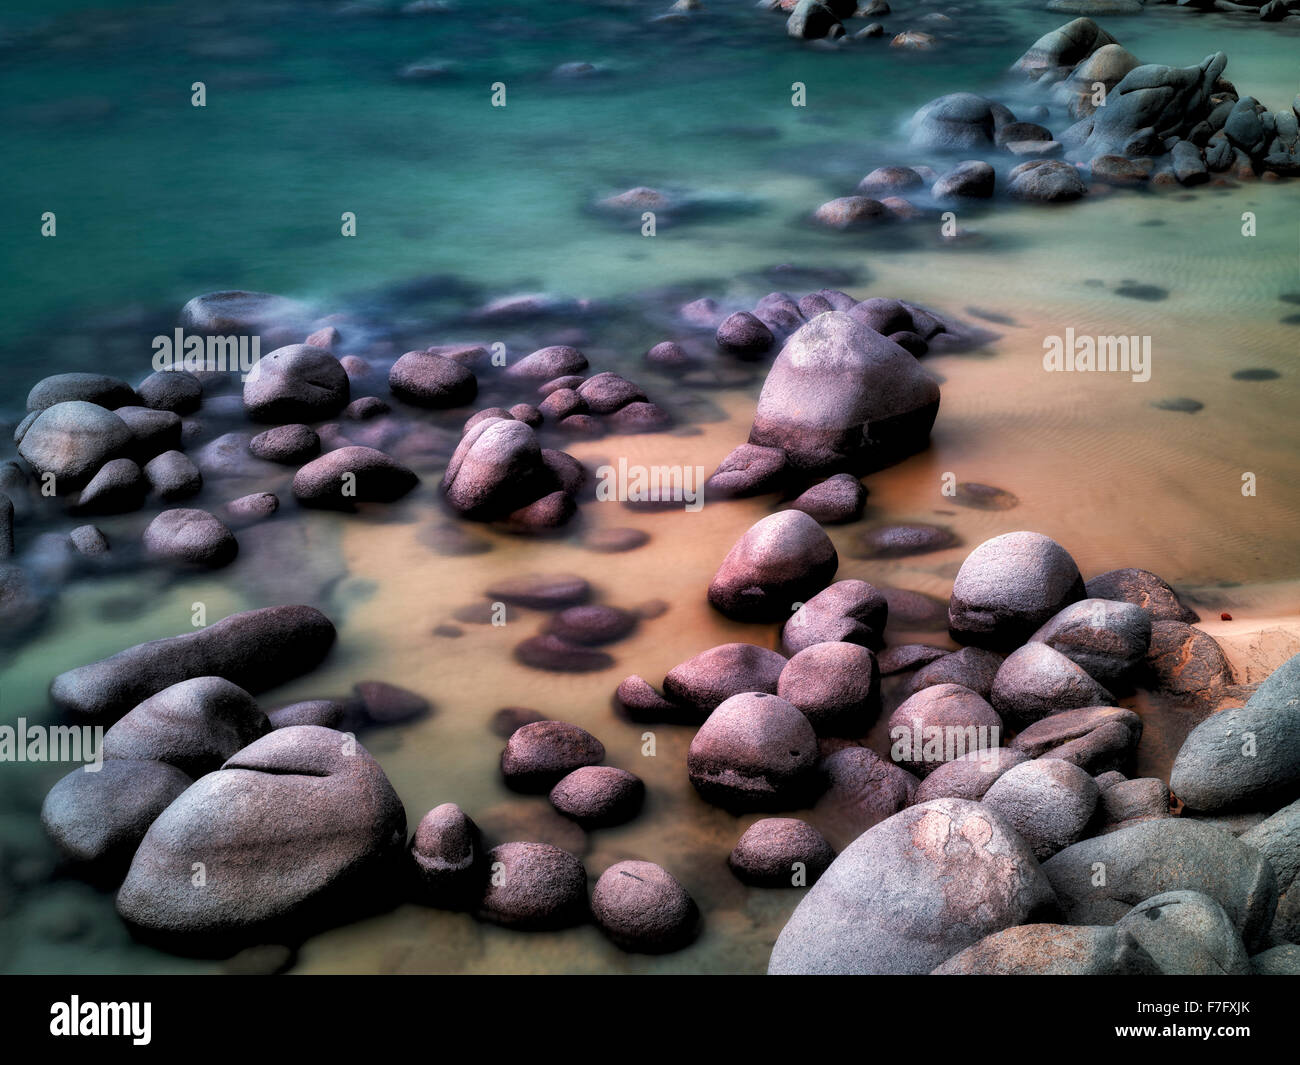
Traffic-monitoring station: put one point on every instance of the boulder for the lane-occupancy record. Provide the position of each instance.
(1170, 854)
(428, 380)
(749, 470)
(497, 468)
(710, 678)
(939, 724)
(780, 852)
(1247, 756)
(1169, 101)
(971, 667)
(195, 725)
(1186, 662)
(175, 390)
(296, 383)
(547, 363)
(1187, 933)
(971, 180)
(845, 612)
(1046, 181)
(97, 819)
(1036, 681)
(1052, 950)
(298, 830)
(782, 560)
(743, 334)
(538, 756)
(839, 498)
(96, 388)
(447, 852)
(1096, 738)
(754, 752)
(73, 439)
(862, 790)
(189, 536)
(173, 475)
(1144, 589)
(1008, 587)
(912, 892)
(1107, 639)
(970, 776)
(598, 796)
(841, 396)
(642, 907)
(118, 487)
(257, 650)
(1048, 801)
(1055, 53)
(288, 444)
(836, 686)
(958, 122)
(534, 887)
(340, 479)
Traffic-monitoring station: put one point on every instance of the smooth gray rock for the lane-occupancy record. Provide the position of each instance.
(1245, 756)
(1048, 801)
(1107, 639)
(100, 389)
(72, 439)
(1037, 681)
(192, 537)
(1187, 933)
(1008, 587)
(1098, 880)
(912, 892)
(97, 820)
(1052, 950)
(172, 475)
(940, 724)
(970, 776)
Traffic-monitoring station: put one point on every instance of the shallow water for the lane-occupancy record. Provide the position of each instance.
(247, 193)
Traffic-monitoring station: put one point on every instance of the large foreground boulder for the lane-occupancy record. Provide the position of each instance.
(1098, 880)
(298, 830)
(1245, 756)
(256, 650)
(912, 892)
(71, 440)
(841, 396)
(1052, 950)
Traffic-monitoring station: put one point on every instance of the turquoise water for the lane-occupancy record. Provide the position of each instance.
(158, 201)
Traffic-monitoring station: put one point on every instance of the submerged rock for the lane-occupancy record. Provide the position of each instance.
(257, 650)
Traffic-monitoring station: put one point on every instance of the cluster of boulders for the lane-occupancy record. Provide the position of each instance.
(1009, 752)
(1264, 10)
(531, 886)
(224, 826)
(1122, 123)
(824, 20)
